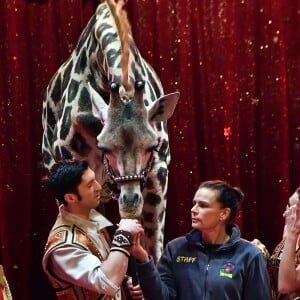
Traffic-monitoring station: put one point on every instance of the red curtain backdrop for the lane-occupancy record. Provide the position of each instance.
(236, 64)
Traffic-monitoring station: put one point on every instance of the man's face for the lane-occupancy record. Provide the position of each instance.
(89, 190)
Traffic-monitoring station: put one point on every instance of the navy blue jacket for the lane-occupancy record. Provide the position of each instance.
(190, 270)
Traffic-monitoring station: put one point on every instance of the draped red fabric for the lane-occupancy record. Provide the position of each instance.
(236, 65)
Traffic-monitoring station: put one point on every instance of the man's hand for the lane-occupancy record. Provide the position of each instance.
(131, 225)
(262, 248)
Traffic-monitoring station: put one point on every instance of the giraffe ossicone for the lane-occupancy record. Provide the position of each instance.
(92, 111)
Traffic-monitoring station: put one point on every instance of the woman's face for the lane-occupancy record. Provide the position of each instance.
(207, 212)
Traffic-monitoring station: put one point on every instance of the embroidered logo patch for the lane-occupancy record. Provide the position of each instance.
(185, 259)
(226, 271)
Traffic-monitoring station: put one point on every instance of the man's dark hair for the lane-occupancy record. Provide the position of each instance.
(64, 177)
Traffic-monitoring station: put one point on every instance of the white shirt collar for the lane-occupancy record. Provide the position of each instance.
(96, 220)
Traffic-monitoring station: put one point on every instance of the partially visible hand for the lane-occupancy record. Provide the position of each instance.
(261, 247)
(132, 226)
(137, 250)
(292, 219)
(134, 291)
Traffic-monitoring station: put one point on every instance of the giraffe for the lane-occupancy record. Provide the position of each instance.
(106, 104)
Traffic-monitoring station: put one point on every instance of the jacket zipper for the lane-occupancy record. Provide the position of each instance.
(205, 282)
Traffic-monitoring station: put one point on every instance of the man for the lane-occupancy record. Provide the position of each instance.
(78, 259)
(289, 267)
(285, 252)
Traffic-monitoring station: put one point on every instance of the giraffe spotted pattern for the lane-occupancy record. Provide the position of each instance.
(88, 114)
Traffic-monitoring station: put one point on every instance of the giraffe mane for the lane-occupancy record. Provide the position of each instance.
(124, 29)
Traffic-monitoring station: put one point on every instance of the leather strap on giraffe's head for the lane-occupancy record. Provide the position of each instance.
(132, 177)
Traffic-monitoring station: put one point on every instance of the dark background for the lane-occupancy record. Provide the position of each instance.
(236, 64)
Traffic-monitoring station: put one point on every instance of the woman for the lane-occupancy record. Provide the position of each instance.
(211, 262)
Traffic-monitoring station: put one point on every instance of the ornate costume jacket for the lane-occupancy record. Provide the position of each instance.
(273, 265)
(73, 255)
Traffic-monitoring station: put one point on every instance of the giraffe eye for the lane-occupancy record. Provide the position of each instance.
(154, 147)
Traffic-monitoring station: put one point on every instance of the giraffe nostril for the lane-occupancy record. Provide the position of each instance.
(131, 199)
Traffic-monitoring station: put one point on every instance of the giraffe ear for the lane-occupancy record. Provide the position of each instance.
(99, 107)
(162, 109)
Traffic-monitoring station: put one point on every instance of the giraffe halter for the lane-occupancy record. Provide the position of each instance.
(126, 178)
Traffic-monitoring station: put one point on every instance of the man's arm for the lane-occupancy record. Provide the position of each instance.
(82, 268)
(116, 264)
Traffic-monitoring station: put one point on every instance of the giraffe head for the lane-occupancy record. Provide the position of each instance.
(128, 139)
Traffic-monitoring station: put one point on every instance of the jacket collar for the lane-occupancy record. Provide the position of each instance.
(96, 220)
(195, 237)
